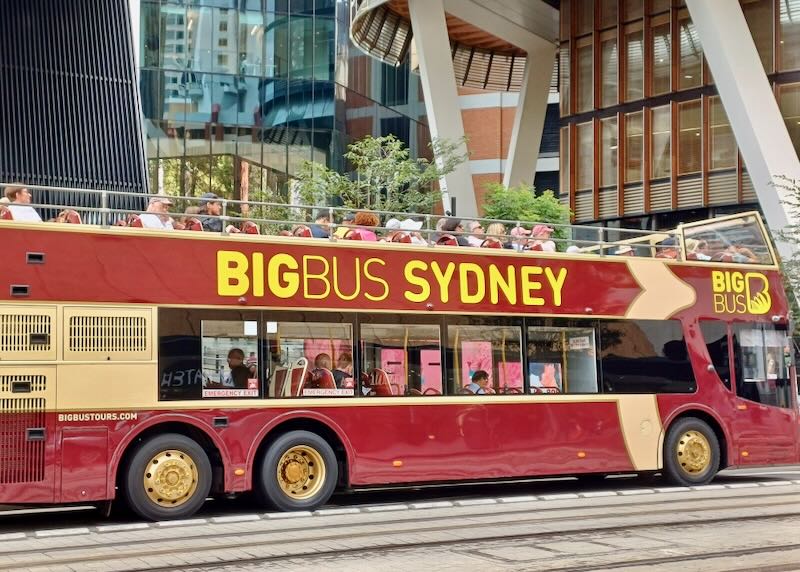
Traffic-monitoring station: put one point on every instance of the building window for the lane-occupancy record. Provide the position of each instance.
(608, 13)
(223, 43)
(634, 62)
(222, 60)
(584, 161)
(608, 152)
(566, 20)
(634, 9)
(609, 64)
(584, 79)
(584, 17)
(759, 19)
(634, 147)
(789, 102)
(690, 148)
(661, 143)
(790, 35)
(223, 26)
(661, 55)
(723, 144)
(691, 55)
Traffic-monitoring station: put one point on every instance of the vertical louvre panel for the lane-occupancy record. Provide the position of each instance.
(69, 111)
(660, 196)
(608, 203)
(21, 461)
(634, 200)
(38, 383)
(690, 192)
(107, 334)
(584, 206)
(722, 189)
(26, 333)
(748, 191)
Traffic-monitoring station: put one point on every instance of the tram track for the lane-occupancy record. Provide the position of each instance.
(573, 520)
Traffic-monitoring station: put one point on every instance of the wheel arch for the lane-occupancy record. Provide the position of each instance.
(303, 420)
(189, 427)
(710, 417)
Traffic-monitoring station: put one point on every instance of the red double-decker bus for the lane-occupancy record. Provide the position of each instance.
(164, 366)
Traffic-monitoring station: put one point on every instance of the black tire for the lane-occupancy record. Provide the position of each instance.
(189, 462)
(309, 472)
(691, 453)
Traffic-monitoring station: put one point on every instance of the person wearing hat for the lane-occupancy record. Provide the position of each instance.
(157, 214)
(347, 223)
(211, 205)
(519, 234)
(322, 225)
(541, 235)
(625, 250)
(453, 226)
(410, 226)
(668, 249)
(19, 200)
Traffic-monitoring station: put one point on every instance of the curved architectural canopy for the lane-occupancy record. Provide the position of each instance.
(482, 58)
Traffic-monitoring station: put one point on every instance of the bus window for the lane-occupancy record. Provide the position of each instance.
(310, 359)
(229, 358)
(715, 334)
(562, 360)
(760, 365)
(400, 359)
(485, 359)
(645, 356)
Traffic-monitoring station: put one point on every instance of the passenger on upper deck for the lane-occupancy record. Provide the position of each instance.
(480, 383)
(741, 254)
(625, 250)
(476, 232)
(157, 215)
(541, 237)
(497, 230)
(211, 205)
(366, 221)
(668, 248)
(453, 226)
(697, 249)
(322, 225)
(520, 235)
(347, 223)
(19, 204)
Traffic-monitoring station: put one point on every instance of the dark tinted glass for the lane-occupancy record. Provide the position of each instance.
(645, 356)
(762, 356)
(715, 335)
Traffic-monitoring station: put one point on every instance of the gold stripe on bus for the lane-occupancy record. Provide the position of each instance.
(663, 294)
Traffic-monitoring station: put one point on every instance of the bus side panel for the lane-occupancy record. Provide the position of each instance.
(403, 444)
(84, 463)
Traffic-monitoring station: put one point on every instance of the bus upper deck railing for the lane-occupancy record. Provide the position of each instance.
(736, 238)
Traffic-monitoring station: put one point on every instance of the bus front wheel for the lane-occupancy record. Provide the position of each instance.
(168, 477)
(691, 453)
(299, 471)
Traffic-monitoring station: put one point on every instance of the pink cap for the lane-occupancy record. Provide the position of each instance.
(519, 231)
(540, 228)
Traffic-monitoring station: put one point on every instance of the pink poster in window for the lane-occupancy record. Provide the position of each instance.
(509, 374)
(393, 362)
(332, 348)
(431, 370)
(475, 356)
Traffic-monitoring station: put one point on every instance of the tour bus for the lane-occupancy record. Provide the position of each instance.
(161, 367)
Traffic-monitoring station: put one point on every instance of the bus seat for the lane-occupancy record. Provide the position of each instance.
(536, 247)
(398, 389)
(321, 378)
(69, 216)
(297, 378)
(5, 213)
(302, 231)
(691, 256)
(414, 392)
(353, 234)
(278, 379)
(249, 227)
(381, 391)
(121, 222)
(722, 257)
(491, 243)
(431, 391)
(134, 221)
(447, 240)
(193, 223)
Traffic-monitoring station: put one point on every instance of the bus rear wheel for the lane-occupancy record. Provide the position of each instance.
(691, 453)
(299, 471)
(168, 477)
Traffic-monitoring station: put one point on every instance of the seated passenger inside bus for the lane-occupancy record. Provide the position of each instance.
(480, 384)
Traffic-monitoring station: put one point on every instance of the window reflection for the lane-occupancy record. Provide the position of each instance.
(762, 373)
(491, 350)
(662, 49)
(661, 142)
(608, 166)
(689, 141)
(401, 359)
(634, 68)
(634, 147)
(562, 360)
(722, 144)
(691, 55)
(790, 35)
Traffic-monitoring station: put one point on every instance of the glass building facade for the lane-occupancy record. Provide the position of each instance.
(236, 94)
(645, 141)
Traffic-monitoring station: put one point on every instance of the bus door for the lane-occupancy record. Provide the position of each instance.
(765, 423)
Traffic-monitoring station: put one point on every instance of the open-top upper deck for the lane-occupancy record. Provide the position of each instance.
(720, 268)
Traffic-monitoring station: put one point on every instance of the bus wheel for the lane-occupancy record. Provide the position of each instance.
(168, 477)
(691, 453)
(298, 472)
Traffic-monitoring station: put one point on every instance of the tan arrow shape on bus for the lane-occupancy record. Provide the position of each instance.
(663, 294)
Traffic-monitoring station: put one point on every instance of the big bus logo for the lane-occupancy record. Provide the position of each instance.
(738, 293)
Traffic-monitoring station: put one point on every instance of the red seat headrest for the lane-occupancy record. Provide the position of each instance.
(447, 240)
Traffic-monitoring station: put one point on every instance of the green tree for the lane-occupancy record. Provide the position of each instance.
(791, 234)
(384, 177)
(521, 203)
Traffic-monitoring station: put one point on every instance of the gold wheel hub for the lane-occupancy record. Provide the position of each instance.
(694, 452)
(170, 478)
(301, 472)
